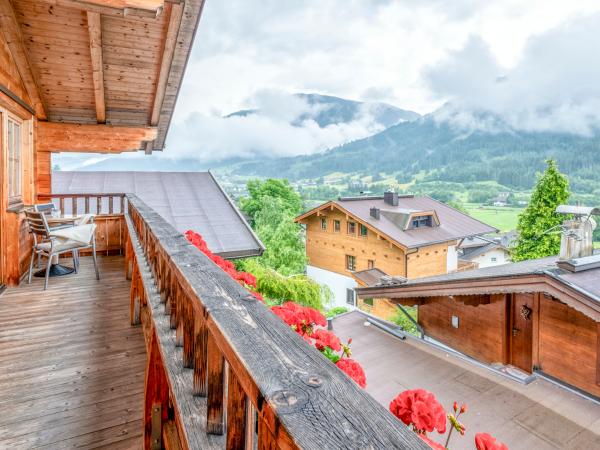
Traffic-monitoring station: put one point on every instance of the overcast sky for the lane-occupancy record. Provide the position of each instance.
(535, 62)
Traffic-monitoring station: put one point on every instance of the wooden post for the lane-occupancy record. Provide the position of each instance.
(98, 205)
(188, 334)
(200, 358)
(236, 413)
(135, 301)
(535, 317)
(214, 399)
(156, 398)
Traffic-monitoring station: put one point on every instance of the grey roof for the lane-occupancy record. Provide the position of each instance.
(586, 281)
(187, 200)
(470, 253)
(529, 267)
(370, 277)
(453, 223)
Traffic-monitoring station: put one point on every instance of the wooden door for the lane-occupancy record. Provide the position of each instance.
(521, 332)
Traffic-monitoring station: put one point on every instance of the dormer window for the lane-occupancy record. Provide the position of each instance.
(422, 221)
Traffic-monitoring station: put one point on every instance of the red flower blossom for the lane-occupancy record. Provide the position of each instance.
(420, 409)
(354, 370)
(483, 441)
(300, 318)
(324, 338)
(434, 445)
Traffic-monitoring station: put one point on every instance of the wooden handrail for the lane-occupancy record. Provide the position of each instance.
(75, 207)
(225, 372)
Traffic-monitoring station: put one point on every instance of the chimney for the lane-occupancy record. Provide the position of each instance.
(375, 213)
(576, 240)
(391, 198)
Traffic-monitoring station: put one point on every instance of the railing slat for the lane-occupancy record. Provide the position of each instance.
(200, 363)
(214, 399)
(236, 414)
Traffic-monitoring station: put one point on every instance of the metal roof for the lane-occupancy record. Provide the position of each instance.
(452, 223)
(187, 200)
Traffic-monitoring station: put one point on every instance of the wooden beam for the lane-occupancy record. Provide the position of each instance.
(70, 137)
(11, 30)
(148, 5)
(95, 32)
(175, 15)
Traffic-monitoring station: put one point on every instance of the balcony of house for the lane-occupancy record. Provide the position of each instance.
(167, 351)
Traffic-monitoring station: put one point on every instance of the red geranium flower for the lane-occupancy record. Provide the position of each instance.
(324, 338)
(434, 445)
(420, 409)
(354, 370)
(483, 441)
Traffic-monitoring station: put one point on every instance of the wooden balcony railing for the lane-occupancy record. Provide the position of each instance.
(106, 204)
(223, 371)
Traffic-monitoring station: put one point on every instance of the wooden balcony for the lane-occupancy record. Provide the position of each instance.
(71, 366)
(221, 370)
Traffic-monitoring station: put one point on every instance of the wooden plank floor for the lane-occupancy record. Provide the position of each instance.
(71, 365)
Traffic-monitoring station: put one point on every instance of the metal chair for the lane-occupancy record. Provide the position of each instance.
(44, 244)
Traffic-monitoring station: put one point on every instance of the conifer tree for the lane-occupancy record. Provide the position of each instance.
(535, 240)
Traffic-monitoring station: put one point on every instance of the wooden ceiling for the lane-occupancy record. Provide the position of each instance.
(116, 62)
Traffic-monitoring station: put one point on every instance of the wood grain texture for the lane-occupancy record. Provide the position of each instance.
(568, 345)
(71, 367)
(14, 40)
(480, 331)
(54, 136)
(303, 401)
(95, 30)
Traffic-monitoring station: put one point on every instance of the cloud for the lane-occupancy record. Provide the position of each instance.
(554, 87)
(283, 126)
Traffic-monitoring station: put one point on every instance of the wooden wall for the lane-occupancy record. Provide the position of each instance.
(382, 308)
(428, 261)
(328, 249)
(481, 331)
(14, 240)
(568, 345)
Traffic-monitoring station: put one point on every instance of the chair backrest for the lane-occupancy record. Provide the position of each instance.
(46, 208)
(38, 225)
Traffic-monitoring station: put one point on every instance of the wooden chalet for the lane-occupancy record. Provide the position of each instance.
(540, 316)
(205, 365)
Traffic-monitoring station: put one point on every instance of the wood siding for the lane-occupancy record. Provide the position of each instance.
(327, 249)
(481, 329)
(568, 345)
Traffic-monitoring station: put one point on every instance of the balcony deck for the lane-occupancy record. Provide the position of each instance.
(71, 365)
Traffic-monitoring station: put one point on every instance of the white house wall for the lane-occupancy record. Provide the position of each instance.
(451, 259)
(335, 282)
(486, 260)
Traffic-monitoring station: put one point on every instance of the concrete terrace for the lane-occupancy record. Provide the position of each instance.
(537, 416)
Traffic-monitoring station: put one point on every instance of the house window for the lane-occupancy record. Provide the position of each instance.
(368, 301)
(336, 226)
(15, 184)
(350, 297)
(422, 221)
(371, 264)
(494, 259)
(351, 228)
(323, 223)
(363, 230)
(350, 262)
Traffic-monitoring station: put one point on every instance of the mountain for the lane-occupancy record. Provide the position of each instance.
(445, 152)
(328, 110)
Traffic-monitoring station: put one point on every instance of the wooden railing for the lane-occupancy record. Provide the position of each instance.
(223, 371)
(108, 203)
(108, 209)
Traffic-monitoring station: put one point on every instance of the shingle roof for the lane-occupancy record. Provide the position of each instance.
(187, 200)
(453, 223)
